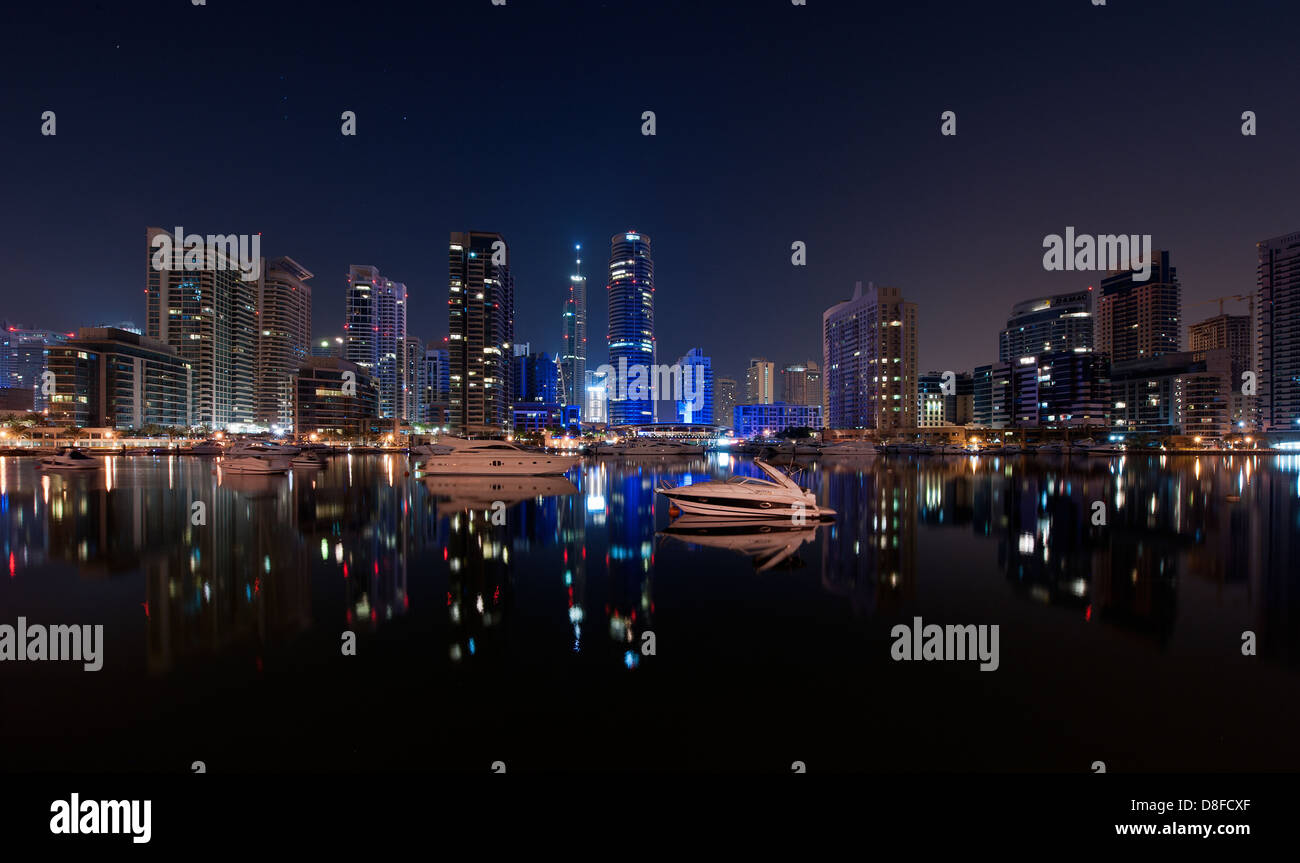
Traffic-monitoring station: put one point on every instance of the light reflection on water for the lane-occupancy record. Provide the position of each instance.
(588, 560)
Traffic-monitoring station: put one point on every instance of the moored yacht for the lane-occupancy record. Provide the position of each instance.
(207, 447)
(487, 458)
(69, 458)
(747, 496)
(261, 465)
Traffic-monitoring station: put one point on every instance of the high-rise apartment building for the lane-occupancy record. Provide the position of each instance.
(1140, 320)
(869, 360)
(695, 402)
(1044, 325)
(631, 339)
(725, 398)
(801, 384)
(573, 351)
(1234, 333)
(23, 352)
(481, 317)
(759, 382)
(375, 333)
(284, 339)
(209, 317)
(110, 378)
(1278, 309)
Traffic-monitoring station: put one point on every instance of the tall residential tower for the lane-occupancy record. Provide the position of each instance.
(631, 337)
(481, 319)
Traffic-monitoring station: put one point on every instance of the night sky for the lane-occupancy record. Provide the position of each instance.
(775, 124)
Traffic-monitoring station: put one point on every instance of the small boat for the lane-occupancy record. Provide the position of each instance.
(859, 449)
(257, 465)
(950, 449)
(69, 458)
(207, 447)
(1091, 447)
(491, 458)
(747, 496)
(1052, 449)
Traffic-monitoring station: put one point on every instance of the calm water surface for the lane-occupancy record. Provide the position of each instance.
(520, 642)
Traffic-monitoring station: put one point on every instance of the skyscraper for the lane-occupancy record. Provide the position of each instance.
(23, 356)
(375, 328)
(1140, 320)
(1045, 325)
(481, 316)
(869, 360)
(725, 400)
(284, 306)
(1278, 308)
(695, 404)
(390, 348)
(1235, 334)
(573, 352)
(209, 316)
(631, 337)
(759, 382)
(801, 384)
(413, 383)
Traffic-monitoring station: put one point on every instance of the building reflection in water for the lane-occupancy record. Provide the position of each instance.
(244, 579)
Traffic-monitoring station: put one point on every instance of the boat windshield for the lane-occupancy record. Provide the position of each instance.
(747, 480)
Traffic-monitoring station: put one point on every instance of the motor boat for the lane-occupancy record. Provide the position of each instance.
(257, 465)
(262, 448)
(69, 458)
(1052, 449)
(491, 458)
(747, 496)
(207, 447)
(950, 449)
(860, 449)
(769, 542)
(795, 448)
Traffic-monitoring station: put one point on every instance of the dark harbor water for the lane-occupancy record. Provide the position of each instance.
(521, 642)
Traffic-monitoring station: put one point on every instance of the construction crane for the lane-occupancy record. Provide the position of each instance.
(1249, 298)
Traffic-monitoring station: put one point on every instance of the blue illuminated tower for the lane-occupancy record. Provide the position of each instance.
(631, 291)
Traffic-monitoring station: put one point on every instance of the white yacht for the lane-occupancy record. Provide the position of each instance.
(69, 458)
(488, 458)
(207, 447)
(747, 496)
(859, 449)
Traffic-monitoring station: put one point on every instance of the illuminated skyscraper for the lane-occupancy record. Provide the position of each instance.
(1140, 320)
(209, 316)
(759, 382)
(1047, 325)
(631, 323)
(573, 353)
(284, 306)
(375, 331)
(481, 317)
(869, 352)
(1278, 308)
